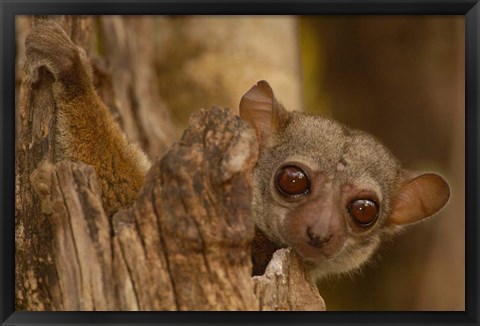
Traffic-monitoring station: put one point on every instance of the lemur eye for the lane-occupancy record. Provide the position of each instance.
(364, 211)
(291, 181)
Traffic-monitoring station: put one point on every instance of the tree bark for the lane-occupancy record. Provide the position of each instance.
(35, 274)
(286, 285)
(183, 246)
(128, 51)
(214, 59)
(185, 243)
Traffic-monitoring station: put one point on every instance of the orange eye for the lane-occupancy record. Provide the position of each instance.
(364, 211)
(292, 181)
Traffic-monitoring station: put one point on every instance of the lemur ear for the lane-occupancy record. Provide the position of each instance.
(420, 197)
(260, 108)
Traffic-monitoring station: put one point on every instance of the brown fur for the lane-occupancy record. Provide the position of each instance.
(86, 131)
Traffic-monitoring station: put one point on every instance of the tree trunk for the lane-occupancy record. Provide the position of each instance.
(130, 60)
(215, 59)
(185, 243)
(36, 278)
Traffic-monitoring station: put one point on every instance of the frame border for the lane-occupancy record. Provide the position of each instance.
(10, 8)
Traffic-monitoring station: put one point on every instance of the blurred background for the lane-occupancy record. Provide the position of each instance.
(399, 77)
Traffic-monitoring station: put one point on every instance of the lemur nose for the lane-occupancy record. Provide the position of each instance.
(316, 240)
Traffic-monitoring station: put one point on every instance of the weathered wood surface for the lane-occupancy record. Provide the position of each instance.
(82, 253)
(286, 285)
(129, 55)
(185, 243)
(33, 231)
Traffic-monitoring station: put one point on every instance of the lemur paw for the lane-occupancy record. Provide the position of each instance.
(49, 46)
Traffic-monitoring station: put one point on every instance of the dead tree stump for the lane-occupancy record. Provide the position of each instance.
(286, 285)
(185, 245)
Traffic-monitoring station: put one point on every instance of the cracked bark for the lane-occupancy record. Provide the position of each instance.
(184, 245)
(286, 285)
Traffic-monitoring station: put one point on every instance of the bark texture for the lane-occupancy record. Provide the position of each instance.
(215, 59)
(33, 231)
(128, 50)
(185, 243)
(286, 285)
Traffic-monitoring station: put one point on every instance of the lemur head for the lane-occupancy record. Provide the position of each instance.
(330, 192)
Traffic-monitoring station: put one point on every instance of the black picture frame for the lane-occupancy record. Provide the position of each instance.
(10, 8)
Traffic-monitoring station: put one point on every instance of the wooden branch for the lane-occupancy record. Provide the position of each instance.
(287, 285)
